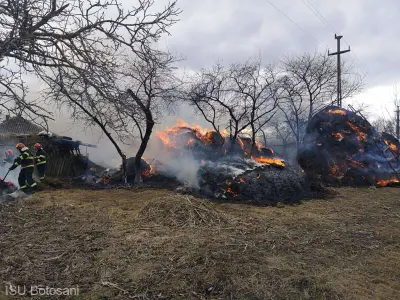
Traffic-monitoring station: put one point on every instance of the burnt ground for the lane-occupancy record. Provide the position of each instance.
(155, 244)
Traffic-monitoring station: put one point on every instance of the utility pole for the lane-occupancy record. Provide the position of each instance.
(339, 71)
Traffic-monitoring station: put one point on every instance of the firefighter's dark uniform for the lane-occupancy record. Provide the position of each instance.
(25, 178)
(40, 160)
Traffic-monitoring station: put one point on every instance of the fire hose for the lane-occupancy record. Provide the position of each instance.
(5, 176)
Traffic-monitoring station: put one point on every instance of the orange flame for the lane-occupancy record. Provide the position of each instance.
(337, 112)
(242, 180)
(335, 170)
(269, 161)
(361, 135)
(240, 142)
(385, 183)
(391, 146)
(229, 190)
(148, 172)
(338, 136)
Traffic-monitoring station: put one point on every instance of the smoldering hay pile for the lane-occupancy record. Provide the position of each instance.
(208, 163)
(341, 147)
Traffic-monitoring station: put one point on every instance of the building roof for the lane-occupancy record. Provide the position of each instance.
(18, 125)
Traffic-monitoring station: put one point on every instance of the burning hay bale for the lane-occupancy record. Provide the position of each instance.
(240, 179)
(342, 147)
(181, 211)
(145, 169)
(210, 164)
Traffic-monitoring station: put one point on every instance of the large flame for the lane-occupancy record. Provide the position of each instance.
(337, 112)
(185, 136)
(385, 183)
(269, 161)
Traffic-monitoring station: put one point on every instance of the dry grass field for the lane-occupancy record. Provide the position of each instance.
(155, 244)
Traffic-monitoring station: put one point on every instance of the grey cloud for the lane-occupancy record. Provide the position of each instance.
(235, 30)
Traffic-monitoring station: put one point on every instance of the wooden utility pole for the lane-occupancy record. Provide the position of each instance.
(339, 71)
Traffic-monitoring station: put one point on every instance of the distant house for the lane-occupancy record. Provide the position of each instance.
(18, 126)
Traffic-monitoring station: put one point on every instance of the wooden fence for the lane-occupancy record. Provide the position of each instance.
(65, 165)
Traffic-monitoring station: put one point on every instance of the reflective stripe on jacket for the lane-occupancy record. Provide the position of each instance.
(25, 160)
(40, 157)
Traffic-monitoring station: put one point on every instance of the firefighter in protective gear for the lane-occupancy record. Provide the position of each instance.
(26, 160)
(40, 160)
(8, 158)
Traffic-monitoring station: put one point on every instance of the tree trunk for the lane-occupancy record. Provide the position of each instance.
(311, 108)
(124, 172)
(146, 137)
(234, 137)
(253, 137)
(104, 129)
(143, 146)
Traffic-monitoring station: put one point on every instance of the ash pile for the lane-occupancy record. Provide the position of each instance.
(209, 164)
(341, 147)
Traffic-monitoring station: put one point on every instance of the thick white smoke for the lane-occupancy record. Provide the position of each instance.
(185, 169)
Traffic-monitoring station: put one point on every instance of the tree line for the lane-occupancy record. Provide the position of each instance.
(101, 60)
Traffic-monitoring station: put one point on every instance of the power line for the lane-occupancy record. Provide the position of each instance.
(318, 14)
(291, 20)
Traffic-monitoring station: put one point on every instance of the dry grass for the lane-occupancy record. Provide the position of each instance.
(181, 211)
(154, 244)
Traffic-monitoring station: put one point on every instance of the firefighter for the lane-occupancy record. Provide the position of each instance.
(8, 158)
(40, 160)
(26, 160)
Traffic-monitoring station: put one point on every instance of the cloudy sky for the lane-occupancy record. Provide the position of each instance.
(234, 30)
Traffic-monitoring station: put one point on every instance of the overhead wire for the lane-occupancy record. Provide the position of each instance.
(318, 14)
(291, 20)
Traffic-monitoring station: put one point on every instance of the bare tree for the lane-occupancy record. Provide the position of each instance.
(88, 103)
(308, 83)
(315, 78)
(76, 33)
(76, 46)
(212, 93)
(152, 89)
(237, 97)
(256, 85)
(385, 125)
(294, 107)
